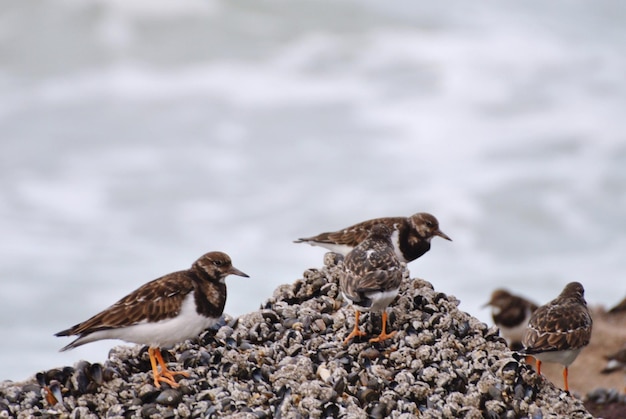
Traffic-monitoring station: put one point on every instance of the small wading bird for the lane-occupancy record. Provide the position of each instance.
(163, 312)
(559, 330)
(511, 314)
(410, 236)
(371, 278)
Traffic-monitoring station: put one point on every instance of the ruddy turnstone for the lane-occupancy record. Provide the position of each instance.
(165, 311)
(410, 236)
(616, 361)
(558, 331)
(371, 278)
(511, 314)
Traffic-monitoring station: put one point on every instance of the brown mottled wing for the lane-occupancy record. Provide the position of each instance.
(558, 327)
(356, 287)
(353, 235)
(370, 270)
(154, 301)
(348, 283)
(382, 280)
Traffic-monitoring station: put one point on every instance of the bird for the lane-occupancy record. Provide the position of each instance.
(371, 278)
(559, 330)
(616, 361)
(511, 314)
(410, 236)
(165, 311)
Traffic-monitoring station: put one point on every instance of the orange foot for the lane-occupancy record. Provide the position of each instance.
(355, 332)
(165, 375)
(383, 334)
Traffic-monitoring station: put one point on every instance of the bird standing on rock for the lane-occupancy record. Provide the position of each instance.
(559, 330)
(410, 236)
(371, 278)
(163, 312)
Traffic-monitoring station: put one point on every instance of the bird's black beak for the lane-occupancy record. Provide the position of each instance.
(442, 235)
(235, 271)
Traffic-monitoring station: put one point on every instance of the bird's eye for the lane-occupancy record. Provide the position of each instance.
(217, 262)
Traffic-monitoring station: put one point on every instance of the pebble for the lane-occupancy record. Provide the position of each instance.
(169, 397)
(288, 360)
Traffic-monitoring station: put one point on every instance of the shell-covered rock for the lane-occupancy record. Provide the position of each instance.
(288, 360)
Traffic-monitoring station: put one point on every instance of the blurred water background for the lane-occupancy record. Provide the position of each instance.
(137, 135)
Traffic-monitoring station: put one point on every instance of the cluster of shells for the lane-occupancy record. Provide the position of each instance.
(288, 360)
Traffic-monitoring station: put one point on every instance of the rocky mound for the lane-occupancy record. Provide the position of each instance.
(288, 360)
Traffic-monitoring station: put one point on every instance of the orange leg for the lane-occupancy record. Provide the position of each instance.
(383, 334)
(565, 379)
(538, 366)
(355, 332)
(166, 375)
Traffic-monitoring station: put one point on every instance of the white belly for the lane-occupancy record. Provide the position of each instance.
(188, 324)
(342, 249)
(380, 300)
(564, 358)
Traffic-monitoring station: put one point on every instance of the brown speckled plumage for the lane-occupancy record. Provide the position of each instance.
(413, 235)
(164, 311)
(371, 275)
(511, 314)
(557, 331)
(563, 323)
(162, 298)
